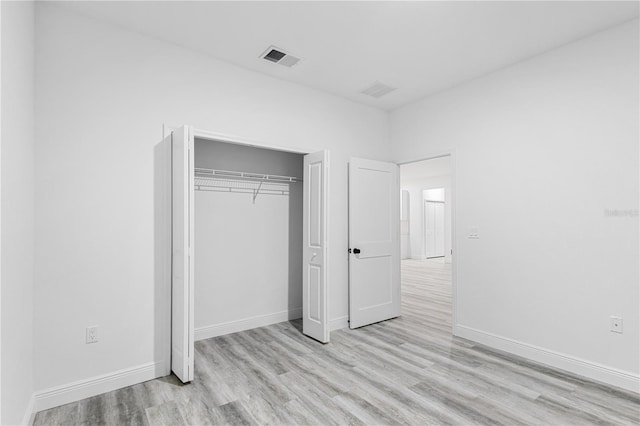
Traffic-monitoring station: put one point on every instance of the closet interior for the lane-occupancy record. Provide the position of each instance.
(248, 237)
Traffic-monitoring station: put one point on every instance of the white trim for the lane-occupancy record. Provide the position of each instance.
(592, 370)
(81, 389)
(339, 323)
(164, 242)
(327, 228)
(30, 413)
(430, 156)
(229, 327)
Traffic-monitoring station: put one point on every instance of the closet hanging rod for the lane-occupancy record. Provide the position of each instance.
(242, 182)
(231, 175)
(251, 191)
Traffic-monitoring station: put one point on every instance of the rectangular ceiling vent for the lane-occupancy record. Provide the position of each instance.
(377, 90)
(279, 56)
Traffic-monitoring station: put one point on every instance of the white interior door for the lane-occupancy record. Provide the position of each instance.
(434, 228)
(182, 282)
(430, 228)
(314, 280)
(374, 227)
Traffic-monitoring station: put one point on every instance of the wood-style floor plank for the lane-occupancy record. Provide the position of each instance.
(405, 371)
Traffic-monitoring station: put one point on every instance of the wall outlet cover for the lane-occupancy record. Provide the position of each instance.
(616, 324)
(92, 334)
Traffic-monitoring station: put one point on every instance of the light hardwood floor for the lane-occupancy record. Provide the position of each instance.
(408, 370)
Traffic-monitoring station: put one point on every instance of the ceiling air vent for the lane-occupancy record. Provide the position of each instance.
(279, 56)
(377, 90)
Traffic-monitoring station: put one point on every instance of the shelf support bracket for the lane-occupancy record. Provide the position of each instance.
(256, 192)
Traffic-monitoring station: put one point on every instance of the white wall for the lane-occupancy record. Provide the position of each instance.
(17, 210)
(415, 187)
(248, 255)
(543, 148)
(103, 94)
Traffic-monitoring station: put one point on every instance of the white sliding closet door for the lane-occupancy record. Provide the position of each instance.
(182, 281)
(374, 228)
(314, 252)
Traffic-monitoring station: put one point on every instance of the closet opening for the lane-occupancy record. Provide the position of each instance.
(248, 237)
(248, 240)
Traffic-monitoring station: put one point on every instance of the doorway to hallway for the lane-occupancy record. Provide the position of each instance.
(426, 243)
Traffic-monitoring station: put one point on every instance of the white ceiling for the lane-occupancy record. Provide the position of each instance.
(425, 169)
(419, 47)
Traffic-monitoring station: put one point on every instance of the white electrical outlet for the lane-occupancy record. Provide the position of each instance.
(92, 334)
(616, 324)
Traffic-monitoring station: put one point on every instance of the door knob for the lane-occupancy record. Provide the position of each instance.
(356, 251)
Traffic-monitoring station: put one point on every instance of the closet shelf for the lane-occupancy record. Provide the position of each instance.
(242, 182)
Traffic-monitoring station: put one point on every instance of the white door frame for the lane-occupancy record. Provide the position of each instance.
(451, 153)
(236, 140)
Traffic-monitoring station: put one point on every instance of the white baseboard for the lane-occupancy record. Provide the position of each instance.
(339, 323)
(602, 373)
(82, 389)
(214, 330)
(30, 412)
